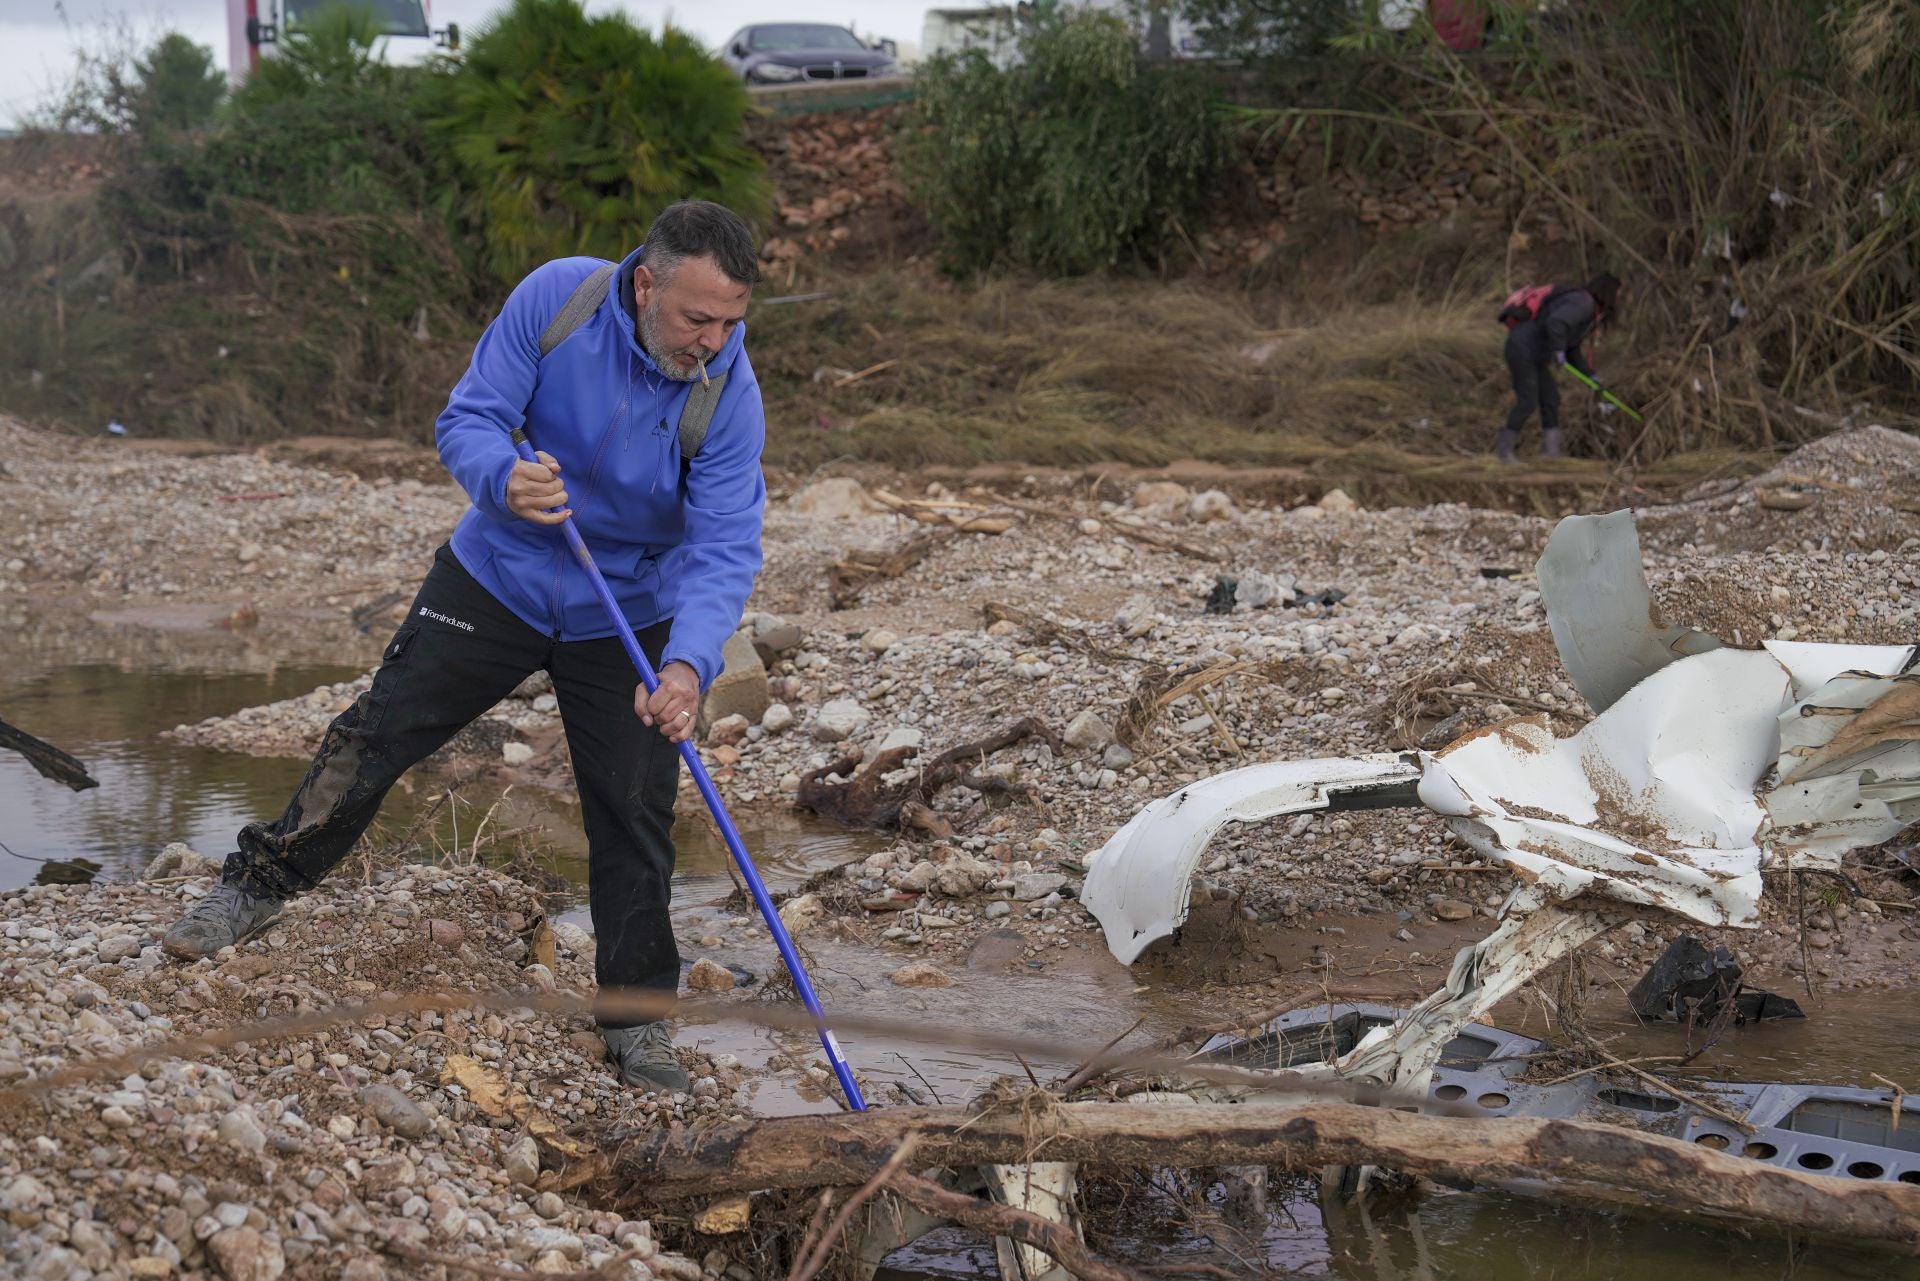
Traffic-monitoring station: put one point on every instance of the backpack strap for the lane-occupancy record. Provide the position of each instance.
(697, 414)
(579, 306)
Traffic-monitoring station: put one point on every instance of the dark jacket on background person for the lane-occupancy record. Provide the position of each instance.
(1561, 326)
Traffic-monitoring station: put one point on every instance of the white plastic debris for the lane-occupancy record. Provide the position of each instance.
(1704, 765)
(1136, 883)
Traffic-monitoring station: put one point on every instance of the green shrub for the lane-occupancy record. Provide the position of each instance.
(568, 132)
(1075, 159)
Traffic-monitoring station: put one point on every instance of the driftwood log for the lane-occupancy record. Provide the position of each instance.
(49, 760)
(866, 799)
(1574, 1160)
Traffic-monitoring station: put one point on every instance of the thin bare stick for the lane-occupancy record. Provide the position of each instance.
(814, 1262)
(1899, 1099)
(1095, 1064)
(1608, 1067)
(916, 1072)
(814, 1225)
(1054, 1239)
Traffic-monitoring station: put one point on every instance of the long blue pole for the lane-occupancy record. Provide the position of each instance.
(711, 794)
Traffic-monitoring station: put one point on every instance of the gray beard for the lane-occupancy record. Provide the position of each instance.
(661, 355)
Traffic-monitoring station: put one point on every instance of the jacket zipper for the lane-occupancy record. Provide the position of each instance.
(593, 474)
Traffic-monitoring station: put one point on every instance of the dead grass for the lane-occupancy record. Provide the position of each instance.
(1129, 371)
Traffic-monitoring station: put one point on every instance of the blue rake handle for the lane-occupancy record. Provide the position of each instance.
(711, 794)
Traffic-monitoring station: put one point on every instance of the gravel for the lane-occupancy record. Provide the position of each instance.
(292, 1156)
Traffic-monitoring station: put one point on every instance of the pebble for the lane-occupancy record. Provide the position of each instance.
(839, 720)
(1088, 731)
(1037, 885)
(239, 1129)
(521, 1161)
(921, 974)
(242, 1254)
(393, 1109)
(709, 976)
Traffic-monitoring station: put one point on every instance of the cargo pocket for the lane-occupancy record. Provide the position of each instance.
(394, 663)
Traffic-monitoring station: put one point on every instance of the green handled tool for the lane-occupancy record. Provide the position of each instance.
(1608, 396)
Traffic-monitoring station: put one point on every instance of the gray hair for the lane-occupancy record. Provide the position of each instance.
(701, 229)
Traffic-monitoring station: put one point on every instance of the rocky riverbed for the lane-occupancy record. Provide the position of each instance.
(344, 1152)
(1346, 631)
(1338, 631)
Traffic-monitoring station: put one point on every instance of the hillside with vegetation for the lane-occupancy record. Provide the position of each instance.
(1083, 258)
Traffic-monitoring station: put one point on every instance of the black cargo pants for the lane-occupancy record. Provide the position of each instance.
(458, 653)
(1530, 364)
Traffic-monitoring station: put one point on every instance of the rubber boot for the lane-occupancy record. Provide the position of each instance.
(1553, 442)
(1504, 444)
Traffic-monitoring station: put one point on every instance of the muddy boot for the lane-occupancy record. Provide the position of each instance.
(1504, 444)
(1553, 443)
(644, 1057)
(227, 917)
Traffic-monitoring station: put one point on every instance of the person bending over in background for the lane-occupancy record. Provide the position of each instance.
(1546, 325)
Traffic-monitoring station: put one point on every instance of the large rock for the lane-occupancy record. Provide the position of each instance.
(241, 1254)
(1136, 617)
(1161, 499)
(963, 875)
(802, 912)
(900, 736)
(921, 974)
(1211, 505)
(1337, 502)
(1035, 885)
(839, 719)
(1257, 590)
(740, 689)
(773, 636)
(835, 498)
(180, 860)
(393, 1109)
(1087, 730)
(709, 976)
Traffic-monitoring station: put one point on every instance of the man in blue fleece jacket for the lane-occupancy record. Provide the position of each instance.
(673, 518)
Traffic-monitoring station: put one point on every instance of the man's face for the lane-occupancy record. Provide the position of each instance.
(686, 319)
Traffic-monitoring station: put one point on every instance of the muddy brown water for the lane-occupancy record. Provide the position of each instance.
(105, 689)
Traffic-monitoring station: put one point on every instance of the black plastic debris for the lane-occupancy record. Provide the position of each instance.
(1689, 984)
(1495, 571)
(1220, 599)
(1326, 598)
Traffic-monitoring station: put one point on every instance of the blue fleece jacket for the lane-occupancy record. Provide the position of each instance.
(672, 541)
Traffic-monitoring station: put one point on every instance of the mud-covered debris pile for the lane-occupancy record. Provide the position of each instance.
(307, 1154)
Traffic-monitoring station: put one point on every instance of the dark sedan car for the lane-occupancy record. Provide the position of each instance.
(772, 53)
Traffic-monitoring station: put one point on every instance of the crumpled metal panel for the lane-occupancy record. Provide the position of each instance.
(1652, 802)
(1136, 883)
(1849, 768)
(1604, 623)
(1812, 663)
